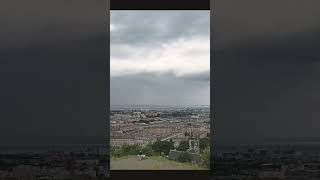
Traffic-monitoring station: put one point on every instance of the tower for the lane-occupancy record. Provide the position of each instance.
(194, 142)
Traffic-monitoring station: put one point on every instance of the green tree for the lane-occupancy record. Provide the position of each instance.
(205, 157)
(156, 146)
(130, 149)
(147, 150)
(184, 157)
(112, 149)
(183, 146)
(166, 146)
(203, 143)
(162, 146)
(116, 153)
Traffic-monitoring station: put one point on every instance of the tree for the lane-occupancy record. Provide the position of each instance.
(203, 143)
(156, 146)
(184, 157)
(183, 146)
(166, 146)
(147, 150)
(205, 157)
(130, 149)
(162, 146)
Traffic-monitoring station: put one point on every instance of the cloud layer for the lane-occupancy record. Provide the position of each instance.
(267, 70)
(164, 48)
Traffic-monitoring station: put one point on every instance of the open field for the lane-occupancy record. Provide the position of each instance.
(151, 163)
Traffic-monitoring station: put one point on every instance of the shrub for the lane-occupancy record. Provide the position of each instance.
(183, 146)
(162, 146)
(184, 157)
(117, 153)
(203, 143)
(130, 149)
(147, 150)
(125, 150)
(205, 157)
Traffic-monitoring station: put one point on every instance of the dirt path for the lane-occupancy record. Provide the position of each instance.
(132, 163)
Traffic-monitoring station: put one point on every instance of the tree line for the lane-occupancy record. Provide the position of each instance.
(159, 148)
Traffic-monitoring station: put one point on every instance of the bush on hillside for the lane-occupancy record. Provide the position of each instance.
(205, 157)
(162, 146)
(147, 150)
(125, 150)
(131, 149)
(184, 157)
(203, 143)
(183, 146)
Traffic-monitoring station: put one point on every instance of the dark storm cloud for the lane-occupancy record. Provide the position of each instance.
(52, 65)
(248, 19)
(154, 28)
(28, 22)
(164, 89)
(267, 70)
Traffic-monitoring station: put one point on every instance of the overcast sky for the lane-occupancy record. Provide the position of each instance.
(52, 68)
(160, 57)
(267, 58)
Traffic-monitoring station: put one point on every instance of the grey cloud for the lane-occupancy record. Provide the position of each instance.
(149, 88)
(238, 21)
(143, 33)
(52, 66)
(157, 27)
(198, 77)
(297, 48)
(266, 60)
(54, 89)
(25, 23)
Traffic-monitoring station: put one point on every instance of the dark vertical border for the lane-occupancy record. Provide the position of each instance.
(162, 5)
(107, 77)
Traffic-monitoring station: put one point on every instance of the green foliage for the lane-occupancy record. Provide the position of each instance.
(125, 150)
(147, 150)
(162, 146)
(184, 157)
(117, 153)
(205, 157)
(156, 146)
(166, 146)
(203, 143)
(183, 146)
(131, 149)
